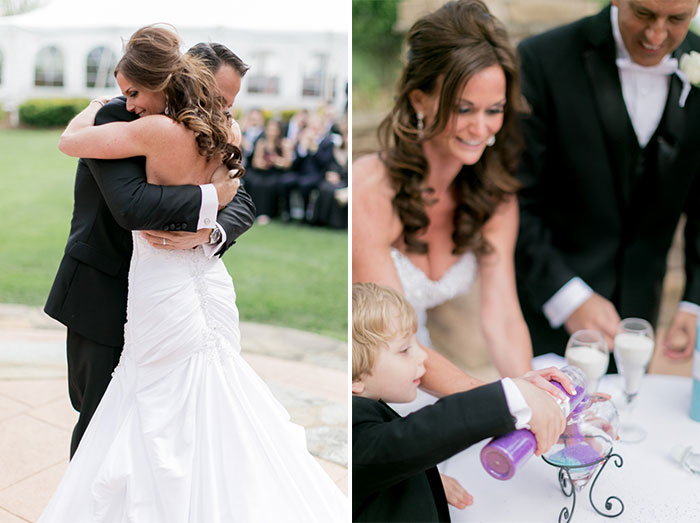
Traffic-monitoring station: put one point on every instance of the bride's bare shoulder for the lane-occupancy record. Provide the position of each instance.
(372, 200)
(370, 178)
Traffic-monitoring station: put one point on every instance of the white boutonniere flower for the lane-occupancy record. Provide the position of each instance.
(690, 65)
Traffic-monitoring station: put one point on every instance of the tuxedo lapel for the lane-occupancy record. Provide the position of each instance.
(599, 63)
(673, 123)
(671, 129)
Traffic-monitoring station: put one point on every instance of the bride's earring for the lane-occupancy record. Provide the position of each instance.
(420, 122)
(491, 140)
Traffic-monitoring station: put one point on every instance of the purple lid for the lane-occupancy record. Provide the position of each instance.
(505, 454)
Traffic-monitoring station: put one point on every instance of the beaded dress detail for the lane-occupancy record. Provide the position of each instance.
(424, 293)
(186, 431)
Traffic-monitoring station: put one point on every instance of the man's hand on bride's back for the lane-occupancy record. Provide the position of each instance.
(226, 186)
(177, 240)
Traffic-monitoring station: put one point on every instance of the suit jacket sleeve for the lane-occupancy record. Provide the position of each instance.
(691, 292)
(540, 267)
(236, 218)
(138, 205)
(388, 452)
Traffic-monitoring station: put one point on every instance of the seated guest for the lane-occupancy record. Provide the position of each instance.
(296, 124)
(331, 206)
(252, 126)
(314, 155)
(272, 157)
(394, 471)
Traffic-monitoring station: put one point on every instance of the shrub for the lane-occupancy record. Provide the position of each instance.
(267, 114)
(50, 112)
(287, 114)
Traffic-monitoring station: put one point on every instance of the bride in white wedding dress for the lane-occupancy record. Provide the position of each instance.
(186, 431)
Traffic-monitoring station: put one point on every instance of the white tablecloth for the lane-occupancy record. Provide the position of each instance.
(652, 486)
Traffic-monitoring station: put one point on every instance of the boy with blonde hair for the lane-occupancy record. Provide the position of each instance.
(395, 477)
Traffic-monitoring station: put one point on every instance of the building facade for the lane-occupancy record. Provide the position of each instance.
(290, 70)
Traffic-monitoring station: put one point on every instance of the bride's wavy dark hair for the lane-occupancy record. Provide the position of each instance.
(153, 61)
(445, 49)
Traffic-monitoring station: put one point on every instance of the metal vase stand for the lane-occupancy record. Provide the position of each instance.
(567, 487)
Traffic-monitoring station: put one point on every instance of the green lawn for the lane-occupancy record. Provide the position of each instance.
(289, 275)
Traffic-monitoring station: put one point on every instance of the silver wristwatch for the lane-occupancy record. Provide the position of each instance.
(214, 236)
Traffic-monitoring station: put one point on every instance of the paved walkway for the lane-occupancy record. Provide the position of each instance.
(306, 372)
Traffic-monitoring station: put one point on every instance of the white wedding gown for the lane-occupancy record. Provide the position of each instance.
(186, 431)
(423, 294)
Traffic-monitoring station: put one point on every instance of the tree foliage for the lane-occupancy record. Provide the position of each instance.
(376, 48)
(373, 27)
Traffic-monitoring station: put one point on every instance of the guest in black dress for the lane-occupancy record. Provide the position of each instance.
(331, 207)
(271, 158)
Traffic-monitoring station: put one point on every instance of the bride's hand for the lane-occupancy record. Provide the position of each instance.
(541, 379)
(82, 120)
(455, 493)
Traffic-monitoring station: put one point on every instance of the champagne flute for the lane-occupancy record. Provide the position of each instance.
(634, 346)
(588, 350)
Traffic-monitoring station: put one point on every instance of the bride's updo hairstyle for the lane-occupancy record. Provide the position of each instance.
(152, 61)
(445, 49)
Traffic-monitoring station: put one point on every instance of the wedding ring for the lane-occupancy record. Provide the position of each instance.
(164, 242)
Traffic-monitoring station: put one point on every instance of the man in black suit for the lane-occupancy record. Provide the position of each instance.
(112, 198)
(611, 162)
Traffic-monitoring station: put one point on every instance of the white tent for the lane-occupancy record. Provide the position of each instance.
(298, 50)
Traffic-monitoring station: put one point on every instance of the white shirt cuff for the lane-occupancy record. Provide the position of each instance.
(565, 301)
(687, 306)
(209, 208)
(211, 249)
(517, 405)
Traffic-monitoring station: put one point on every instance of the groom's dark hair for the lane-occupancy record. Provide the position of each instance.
(215, 55)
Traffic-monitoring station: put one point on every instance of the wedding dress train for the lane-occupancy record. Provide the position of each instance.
(186, 431)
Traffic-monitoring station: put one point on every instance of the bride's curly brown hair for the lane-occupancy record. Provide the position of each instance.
(152, 61)
(445, 49)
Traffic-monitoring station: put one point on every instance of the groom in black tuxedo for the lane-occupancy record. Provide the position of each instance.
(112, 198)
(612, 161)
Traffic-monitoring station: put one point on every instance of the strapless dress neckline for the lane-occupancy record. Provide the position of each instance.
(424, 293)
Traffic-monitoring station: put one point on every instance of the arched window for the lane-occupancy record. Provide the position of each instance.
(100, 68)
(315, 76)
(49, 67)
(264, 77)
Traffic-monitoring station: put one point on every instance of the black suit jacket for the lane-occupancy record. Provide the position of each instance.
(394, 473)
(112, 198)
(583, 210)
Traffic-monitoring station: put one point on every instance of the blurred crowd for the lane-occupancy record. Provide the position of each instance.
(297, 169)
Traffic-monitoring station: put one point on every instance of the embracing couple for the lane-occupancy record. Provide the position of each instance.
(182, 430)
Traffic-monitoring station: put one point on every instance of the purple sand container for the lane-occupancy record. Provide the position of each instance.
(503, 455)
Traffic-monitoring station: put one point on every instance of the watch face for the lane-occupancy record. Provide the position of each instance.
(215, 235)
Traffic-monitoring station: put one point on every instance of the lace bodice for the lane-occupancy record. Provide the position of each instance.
(424, 293)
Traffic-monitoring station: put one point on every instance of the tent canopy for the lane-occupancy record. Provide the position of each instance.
(252, 15)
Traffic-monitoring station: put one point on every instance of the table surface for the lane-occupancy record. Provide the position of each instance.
(651, 485)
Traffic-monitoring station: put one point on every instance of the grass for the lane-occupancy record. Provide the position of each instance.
(288, 275)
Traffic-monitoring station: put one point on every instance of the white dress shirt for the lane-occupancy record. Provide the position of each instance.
(207, 218)
(517, 406)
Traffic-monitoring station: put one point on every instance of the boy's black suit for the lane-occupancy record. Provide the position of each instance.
(394, 473)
